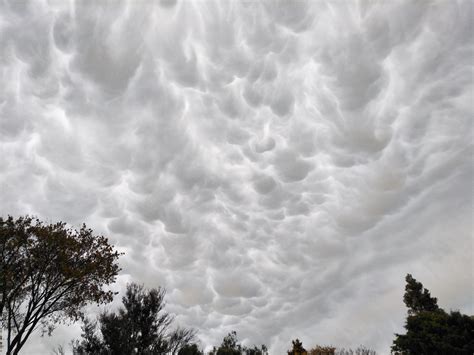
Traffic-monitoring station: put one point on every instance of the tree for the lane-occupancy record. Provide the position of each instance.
(190, 350)
(231, 346)
(180, 339)
(417, 298)
(436, 333)
(297, 348)
(361, 350)
(322, 350)
(431, 330)
(49, 272)
(141, 326)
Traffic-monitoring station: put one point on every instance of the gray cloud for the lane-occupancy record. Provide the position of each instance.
(278, 168)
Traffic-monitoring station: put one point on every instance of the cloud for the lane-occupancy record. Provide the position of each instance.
(279, 169)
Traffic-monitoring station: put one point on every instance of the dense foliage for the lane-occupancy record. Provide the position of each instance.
(431, 330)
(48, 273)
(417, 298)
(141, 326)
(190, 349)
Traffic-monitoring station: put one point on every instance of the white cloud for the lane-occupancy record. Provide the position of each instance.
(278, 168)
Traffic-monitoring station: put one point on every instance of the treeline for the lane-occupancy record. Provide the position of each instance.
(142, 326)
(49, 272)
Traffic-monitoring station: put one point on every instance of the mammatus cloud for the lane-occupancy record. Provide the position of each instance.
(279, 167)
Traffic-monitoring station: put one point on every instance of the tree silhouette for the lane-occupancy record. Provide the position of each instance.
(141, 326)
(231, 346)
(191, 349)
(431, 330)
(48, 273)
(417, 298)
(297, 348)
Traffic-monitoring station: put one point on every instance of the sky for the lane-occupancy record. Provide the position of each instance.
(277, 166)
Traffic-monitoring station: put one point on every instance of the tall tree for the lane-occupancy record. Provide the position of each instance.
(431, 330)
(141, 326)
(49, 272)
(417, 298)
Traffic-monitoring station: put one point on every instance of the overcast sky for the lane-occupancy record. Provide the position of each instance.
(278, 166)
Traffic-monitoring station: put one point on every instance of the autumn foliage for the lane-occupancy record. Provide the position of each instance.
(49, 272)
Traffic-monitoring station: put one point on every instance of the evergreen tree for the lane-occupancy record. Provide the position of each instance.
(431, 330)
(417, 298)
